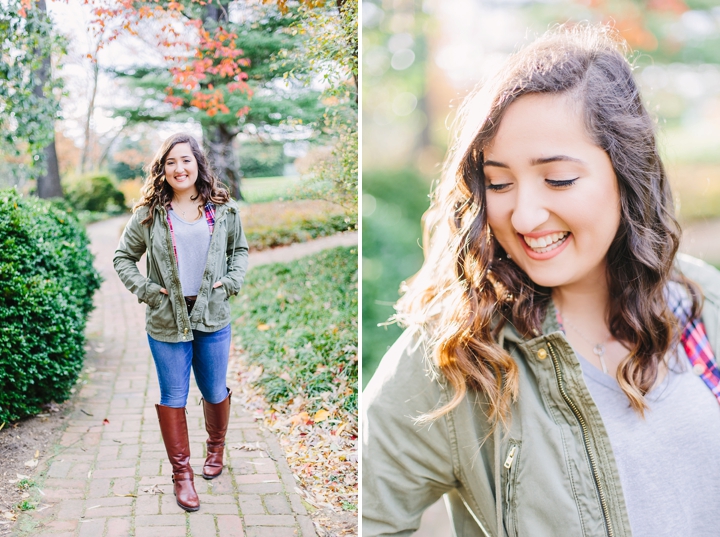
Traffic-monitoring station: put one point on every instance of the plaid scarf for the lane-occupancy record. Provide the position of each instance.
(209, 217)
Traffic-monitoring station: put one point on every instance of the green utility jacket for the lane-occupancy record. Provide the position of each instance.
(552, 474)
(166, 317)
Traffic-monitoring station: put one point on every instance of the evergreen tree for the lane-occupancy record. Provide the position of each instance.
(261, 102)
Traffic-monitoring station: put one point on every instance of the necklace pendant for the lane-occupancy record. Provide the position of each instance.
(599, 349)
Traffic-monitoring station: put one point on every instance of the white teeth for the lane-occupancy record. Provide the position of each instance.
(546, 243)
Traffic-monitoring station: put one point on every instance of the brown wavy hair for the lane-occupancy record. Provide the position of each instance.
(468, 289)
(157, 191)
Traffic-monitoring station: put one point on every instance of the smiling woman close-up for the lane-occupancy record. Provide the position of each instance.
(556, 368)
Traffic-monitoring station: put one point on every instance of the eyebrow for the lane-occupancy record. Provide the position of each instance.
(536, 161)
(173, 158)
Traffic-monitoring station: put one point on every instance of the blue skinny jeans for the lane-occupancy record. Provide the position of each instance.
(207, 354)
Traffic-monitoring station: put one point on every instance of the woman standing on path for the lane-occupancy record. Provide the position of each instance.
(557, 375)
(197, 256)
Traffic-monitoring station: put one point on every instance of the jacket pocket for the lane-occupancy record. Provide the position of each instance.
(155, 298)
(159, 316)
(510, 469)
(217, 313)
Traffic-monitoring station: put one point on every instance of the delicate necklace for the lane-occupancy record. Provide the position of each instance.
(182, 211)
(598, 348)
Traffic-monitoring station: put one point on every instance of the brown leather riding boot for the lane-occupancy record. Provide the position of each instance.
(216, 423)
(173, 428)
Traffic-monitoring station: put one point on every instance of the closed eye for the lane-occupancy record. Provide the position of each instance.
(498, 187)
(561, 184)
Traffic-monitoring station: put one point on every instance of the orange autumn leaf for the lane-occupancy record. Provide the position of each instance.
(300, 419)
(321, 415)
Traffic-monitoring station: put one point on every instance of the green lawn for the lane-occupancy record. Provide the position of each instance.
(299, 321)
(280, 223)
(263, 189)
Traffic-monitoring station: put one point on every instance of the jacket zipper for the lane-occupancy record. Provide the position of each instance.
(586, 441)
(510, 526)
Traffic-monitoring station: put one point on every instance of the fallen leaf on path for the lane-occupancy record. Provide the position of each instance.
(37, 453)
(126, 495)
(153, 490)
(249, 447)
(9, 515)
(32, 463)
(85, 412)
(106, 421)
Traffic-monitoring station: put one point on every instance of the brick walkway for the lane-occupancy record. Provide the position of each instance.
(103, 479)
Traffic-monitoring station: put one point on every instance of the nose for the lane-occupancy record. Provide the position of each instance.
(530, 209)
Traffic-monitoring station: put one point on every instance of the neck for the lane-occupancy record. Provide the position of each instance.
(585, 303)
(185, 196)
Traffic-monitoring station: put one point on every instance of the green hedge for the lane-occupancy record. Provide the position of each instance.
(301, 231)
(47, 282)
(96, 192)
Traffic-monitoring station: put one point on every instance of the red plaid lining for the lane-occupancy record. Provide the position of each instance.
(695, 341)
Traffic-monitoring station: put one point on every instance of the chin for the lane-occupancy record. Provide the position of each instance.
(547, 278)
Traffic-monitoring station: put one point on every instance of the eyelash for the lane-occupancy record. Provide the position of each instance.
(496, 188)
(553, 183)
(561, 184)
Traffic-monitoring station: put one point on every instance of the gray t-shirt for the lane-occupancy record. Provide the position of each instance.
(192, 240)
(668, 462)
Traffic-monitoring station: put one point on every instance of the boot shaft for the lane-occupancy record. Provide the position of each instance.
(174, 431)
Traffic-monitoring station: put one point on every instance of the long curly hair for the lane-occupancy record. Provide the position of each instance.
(468, 289)
(157, 191)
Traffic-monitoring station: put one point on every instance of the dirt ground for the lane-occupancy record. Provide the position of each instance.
(20, 443)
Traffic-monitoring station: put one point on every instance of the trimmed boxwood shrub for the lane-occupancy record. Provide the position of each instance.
(95, 192)
(47, 282)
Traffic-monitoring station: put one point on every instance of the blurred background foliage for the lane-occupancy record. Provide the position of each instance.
(421, 58)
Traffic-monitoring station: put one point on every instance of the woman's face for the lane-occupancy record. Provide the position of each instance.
(552, 195)
(181, 168)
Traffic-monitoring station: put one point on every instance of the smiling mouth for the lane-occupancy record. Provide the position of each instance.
(547, 243)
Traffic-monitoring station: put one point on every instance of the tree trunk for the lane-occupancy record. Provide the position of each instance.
(48, 184)
(90, 112)
(218, 141)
